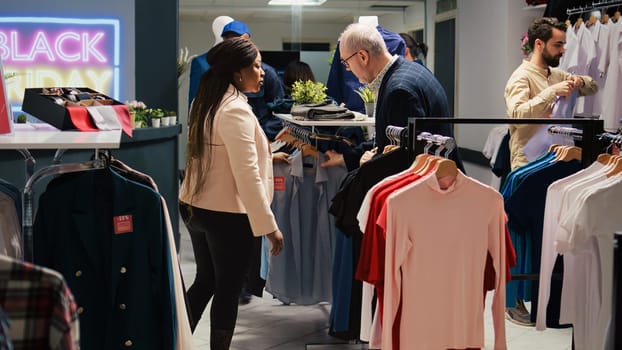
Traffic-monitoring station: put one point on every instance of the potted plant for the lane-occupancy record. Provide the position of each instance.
(172, 116)
(308, 92)
(22, 118)
(368, 99)
(138, 111)
(156, 115)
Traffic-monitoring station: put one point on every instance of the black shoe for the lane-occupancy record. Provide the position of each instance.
(245, 297)
(220, 339)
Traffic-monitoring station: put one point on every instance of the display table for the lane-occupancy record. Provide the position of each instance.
(47, 139)
(340, 122)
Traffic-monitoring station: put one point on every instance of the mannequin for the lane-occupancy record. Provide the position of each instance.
(219, 23)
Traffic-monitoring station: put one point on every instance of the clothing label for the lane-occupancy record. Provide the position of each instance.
(279, 183)
(123, 224)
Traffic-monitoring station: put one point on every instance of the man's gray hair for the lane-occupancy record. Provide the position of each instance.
(358, 36)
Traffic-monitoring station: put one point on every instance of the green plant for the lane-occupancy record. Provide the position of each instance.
(155, 112)
(308, 92)
(366, 94)
(171, 113)
(22, 118)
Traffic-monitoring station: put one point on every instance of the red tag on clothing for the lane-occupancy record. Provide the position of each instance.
(279, 183)
(123, 224)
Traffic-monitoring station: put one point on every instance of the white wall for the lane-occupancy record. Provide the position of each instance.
(488, 51)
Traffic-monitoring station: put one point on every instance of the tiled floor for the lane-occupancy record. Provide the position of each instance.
(265, 323)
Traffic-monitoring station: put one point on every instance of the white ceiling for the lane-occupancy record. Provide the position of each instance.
(332, 11)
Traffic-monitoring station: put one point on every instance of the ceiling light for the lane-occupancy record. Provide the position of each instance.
(296, 2)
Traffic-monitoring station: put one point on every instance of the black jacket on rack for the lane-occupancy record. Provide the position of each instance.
(106, 236)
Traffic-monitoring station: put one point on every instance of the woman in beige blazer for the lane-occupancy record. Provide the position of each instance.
(226, 194)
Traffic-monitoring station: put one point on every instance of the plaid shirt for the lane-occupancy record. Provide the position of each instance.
(5, 342)
(40, 307)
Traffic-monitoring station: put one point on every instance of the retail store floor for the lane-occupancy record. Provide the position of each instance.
(265, 323)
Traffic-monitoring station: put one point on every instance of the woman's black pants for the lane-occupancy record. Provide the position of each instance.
(222, 243)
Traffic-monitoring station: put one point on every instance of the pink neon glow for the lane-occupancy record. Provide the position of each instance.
(84, 47)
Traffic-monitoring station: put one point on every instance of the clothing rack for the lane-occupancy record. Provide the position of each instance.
(611, 138)
(591, 128)
(306, 135)
(398, 135)
(589, 151)
(297, 132)
(444, 142)
(27, 197)
(24, 141)
(595, 5)
(567, 131)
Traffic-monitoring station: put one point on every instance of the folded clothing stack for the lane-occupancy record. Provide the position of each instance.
(320, 111)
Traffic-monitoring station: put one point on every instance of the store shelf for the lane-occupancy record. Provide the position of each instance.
(55, 139)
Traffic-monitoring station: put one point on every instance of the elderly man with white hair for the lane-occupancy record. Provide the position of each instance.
(403, 89)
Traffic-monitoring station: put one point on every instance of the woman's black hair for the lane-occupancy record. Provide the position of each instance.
(225, 59)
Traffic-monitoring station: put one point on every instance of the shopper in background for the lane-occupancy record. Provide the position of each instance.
(534, 87)
(415, 51)
(199, 64)
(225, 197)
(296, 70)
(342, 84)
(271, 89)
(403, 89)
(531, 92)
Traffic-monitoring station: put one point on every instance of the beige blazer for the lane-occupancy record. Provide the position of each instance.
(239, 178)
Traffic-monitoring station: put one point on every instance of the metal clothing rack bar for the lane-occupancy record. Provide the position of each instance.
(611, 138)
(567, 131)
(590, 149)
(306, 135)
(444, 142)
(27, 209)
(397, 134)
(595, 5)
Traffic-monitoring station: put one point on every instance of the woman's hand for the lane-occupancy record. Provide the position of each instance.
(280, 157)
(276, 239)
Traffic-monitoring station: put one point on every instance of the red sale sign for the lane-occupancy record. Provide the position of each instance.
(6, 118)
